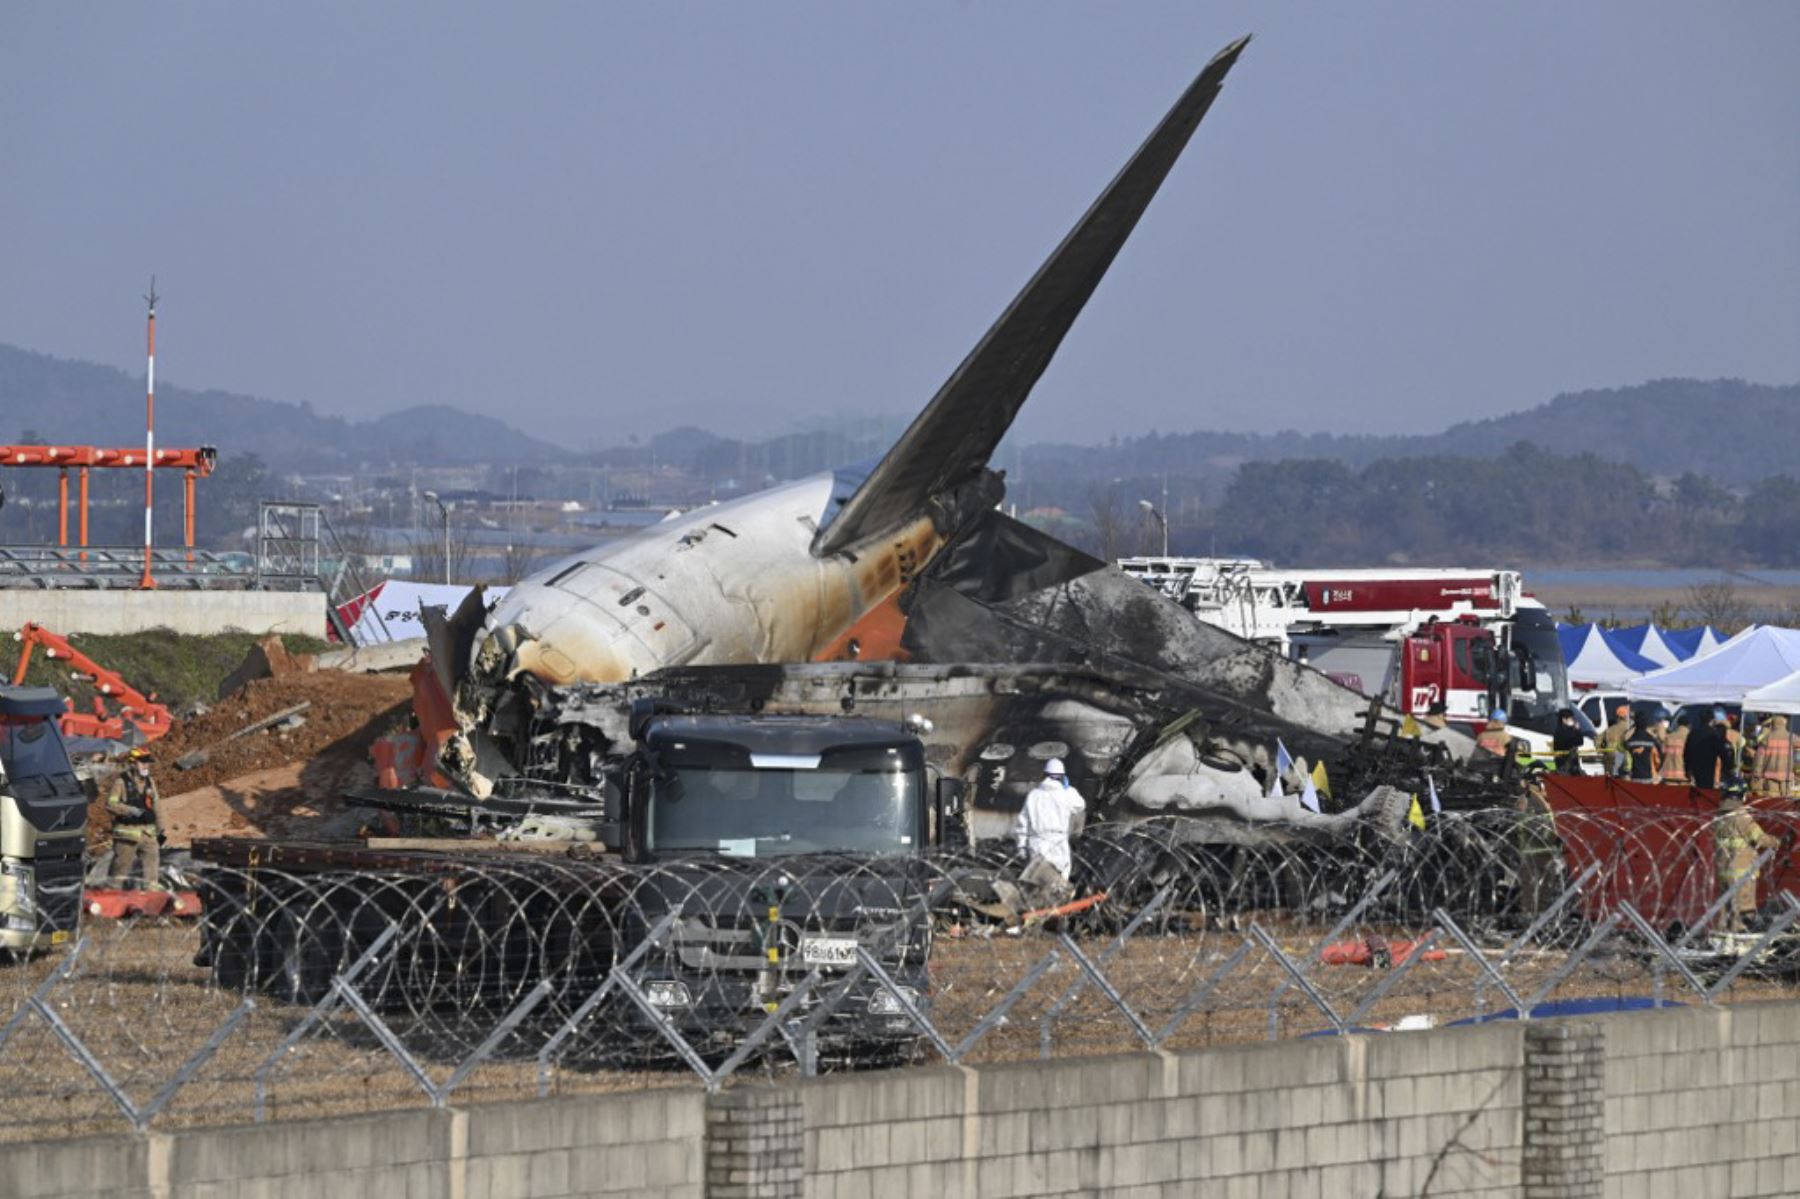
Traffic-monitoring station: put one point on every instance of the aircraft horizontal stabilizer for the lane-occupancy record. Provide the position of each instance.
(952, 439)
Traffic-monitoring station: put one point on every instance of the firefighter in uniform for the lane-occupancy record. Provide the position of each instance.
(1611, 742)
(1674, 762)
(132, 803)
(1493, 740)
(1772, 767)
(1540, 853)
(1735, 745)
(1737, 839)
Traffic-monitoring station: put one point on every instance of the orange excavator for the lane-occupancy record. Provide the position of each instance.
(117, 705)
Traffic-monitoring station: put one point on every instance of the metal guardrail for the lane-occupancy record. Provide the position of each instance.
(307, 994)
(107, 566)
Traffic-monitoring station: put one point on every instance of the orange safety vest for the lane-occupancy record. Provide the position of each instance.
(1674, 768)
(1773, 772)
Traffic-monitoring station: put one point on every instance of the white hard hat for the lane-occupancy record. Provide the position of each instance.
(1054, 768)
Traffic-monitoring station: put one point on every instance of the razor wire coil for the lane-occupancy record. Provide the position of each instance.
(456, 978)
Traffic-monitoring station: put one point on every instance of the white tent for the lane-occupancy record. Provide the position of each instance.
(1604, 661)
(1783, 695)
(1752, 659)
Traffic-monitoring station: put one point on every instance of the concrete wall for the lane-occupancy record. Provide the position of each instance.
(647, 1144)
(1318, 1118)
(1703, 1102)
(1680, 1102)
(639, 1144)
(69, 611)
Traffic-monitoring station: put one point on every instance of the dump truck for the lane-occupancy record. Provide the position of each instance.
(728, 856)
(43, 824)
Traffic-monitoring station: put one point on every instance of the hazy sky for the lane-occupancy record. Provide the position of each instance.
(599, 219)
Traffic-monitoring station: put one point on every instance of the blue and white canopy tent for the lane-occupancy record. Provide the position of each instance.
(1701, 639)
(1571, 637)
(1653, 643)
(1602, 660)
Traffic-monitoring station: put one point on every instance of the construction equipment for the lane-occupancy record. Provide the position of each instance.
(43, 825)
(130, 709)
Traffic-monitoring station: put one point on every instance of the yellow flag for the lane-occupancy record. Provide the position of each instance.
(1416, 817)
(1409, 727)
(1321, 780)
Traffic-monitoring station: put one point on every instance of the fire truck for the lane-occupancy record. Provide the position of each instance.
(1469, 638)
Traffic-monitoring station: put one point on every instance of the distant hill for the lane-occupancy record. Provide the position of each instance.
(1730, 431)
(438, 433)
(80, 402)
(1727, 430)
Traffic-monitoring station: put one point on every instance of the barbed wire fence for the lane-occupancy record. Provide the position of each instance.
(311, 993)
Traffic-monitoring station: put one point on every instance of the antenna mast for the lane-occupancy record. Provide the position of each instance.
(148, 583)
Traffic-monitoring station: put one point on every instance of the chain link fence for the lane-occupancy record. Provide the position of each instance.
(310, 992)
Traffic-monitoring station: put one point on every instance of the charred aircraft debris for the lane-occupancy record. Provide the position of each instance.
(1013, 646)
(926, 656)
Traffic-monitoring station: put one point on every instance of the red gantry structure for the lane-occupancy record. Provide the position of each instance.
(197, 462)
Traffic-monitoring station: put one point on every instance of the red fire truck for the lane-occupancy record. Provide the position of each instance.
(1470, 638)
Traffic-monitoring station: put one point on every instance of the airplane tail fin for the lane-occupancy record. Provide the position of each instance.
(953, 438)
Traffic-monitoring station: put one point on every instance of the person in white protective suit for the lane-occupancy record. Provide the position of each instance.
(1042, 830)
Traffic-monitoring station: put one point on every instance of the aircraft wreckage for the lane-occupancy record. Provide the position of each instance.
(770, 729)
(901, 591)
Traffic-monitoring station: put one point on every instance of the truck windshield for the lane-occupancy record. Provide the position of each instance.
(31, 750)
(771, 812)
(1538, 637)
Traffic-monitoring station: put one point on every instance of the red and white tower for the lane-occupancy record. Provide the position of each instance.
(149, 438)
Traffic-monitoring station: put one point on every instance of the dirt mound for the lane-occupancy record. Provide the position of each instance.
(330, 749)
(341, 705)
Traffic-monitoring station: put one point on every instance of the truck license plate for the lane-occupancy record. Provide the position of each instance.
(59, 936)
(828, 951)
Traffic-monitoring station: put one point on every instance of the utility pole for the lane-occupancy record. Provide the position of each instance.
(148, 583)
(1161, 519)
(1165, 512)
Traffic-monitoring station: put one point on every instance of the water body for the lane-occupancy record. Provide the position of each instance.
(1634, 595)
(1657, 578)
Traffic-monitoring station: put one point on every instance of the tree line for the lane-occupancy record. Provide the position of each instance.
(1527, 504)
